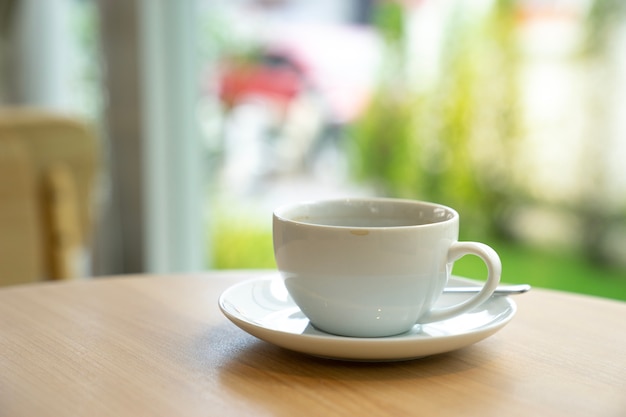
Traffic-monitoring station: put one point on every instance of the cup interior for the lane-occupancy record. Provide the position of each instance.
(355, 213)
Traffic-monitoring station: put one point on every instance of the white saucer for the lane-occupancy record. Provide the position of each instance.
(263, 308)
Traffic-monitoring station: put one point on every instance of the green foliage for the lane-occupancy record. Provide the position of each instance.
(603, 17)
(389, 20)
(451, 142)
(385, 147)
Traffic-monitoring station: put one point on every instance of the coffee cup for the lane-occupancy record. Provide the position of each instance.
(373, 267)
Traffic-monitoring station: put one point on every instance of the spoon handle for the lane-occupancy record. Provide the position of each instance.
(501, 290)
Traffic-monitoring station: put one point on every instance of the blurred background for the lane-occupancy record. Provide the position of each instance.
(210, 113)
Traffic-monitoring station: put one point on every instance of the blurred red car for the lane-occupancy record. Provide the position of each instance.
(271, 76)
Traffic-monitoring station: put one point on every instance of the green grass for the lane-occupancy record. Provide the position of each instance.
(521, 264)
(567, 271)
(252, 247)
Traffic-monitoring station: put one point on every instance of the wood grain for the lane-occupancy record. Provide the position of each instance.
(158, 346)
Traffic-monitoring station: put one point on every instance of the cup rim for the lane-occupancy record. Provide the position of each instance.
(279, 212)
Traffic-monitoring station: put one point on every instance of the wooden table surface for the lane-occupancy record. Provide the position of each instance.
(158, 345)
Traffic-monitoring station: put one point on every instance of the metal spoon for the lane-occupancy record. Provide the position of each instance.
(501, 290)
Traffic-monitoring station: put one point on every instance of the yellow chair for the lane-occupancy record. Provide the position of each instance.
(48, 174)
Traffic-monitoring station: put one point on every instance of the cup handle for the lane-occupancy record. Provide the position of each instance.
(494, 269)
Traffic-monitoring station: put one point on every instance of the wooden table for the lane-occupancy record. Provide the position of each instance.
(158, 345)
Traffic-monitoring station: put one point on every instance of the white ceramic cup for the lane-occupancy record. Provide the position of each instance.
(373, 267)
